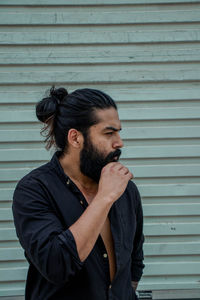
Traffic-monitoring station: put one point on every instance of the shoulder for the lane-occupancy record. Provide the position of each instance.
(133, 194)
(132, 189)
(31, 191)
(33, 183)
(37, 175)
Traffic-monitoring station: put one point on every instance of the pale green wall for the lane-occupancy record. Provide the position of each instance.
(146, 55)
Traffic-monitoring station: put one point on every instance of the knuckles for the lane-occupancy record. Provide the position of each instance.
(116, 168)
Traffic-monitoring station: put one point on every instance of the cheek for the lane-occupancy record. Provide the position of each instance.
(105, 145)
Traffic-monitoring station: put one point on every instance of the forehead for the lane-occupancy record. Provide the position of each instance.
(107, 118)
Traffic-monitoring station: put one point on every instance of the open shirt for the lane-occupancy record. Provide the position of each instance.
(46, 203)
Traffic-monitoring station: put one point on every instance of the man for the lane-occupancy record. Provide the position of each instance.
(79, 217)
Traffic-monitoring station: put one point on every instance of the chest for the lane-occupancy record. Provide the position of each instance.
(119, 227)
(106, 233)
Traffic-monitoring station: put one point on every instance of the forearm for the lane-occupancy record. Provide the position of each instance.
(112, 184)
(87, 228)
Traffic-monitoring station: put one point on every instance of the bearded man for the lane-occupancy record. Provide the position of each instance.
(79, 217)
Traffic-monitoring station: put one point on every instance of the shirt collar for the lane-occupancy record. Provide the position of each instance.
(55, 163)
(57, 166)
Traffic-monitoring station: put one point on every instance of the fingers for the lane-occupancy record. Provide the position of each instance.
(125, 171)
(114, 180)
(116, 166)
(131, 176)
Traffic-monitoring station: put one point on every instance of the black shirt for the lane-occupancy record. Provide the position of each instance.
(46, 203)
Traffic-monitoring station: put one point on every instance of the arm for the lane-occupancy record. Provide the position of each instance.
(48, 245)
(113, 182)
(137, 254)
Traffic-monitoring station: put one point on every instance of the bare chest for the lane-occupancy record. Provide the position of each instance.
(106, 235)
(107, 238)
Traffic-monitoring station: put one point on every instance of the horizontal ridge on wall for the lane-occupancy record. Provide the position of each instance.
(93, 2)
(136, 95)
(62, 38)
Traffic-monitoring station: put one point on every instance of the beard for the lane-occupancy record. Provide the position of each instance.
(92, 160)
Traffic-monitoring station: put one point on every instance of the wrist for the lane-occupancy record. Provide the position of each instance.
(104, 200)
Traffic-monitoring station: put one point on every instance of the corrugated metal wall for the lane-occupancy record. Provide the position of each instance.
(146, 55)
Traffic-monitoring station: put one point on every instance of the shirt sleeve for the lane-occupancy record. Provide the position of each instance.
(49, 246)
(137, 265)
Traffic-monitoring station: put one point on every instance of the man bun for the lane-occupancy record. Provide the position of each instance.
(48, 106)
(61, 111)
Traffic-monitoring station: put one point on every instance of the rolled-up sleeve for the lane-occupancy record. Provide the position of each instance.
(137, 265)
(49, 246)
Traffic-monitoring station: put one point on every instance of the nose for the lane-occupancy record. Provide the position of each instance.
(118, 143)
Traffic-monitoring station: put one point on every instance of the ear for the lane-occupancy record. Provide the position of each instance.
(75, 138)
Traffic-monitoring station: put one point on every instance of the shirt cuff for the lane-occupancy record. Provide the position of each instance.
(68, 240)
(137, 271)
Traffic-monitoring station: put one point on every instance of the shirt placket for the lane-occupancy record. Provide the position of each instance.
(100, 244)
(104, 258)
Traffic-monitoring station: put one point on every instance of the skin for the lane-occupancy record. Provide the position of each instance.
(113, 181)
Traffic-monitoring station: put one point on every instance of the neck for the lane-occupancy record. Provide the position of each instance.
(71, 168)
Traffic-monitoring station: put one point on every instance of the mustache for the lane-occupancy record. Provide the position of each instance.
(111, 155)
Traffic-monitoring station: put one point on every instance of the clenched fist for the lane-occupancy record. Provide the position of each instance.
(113, 181)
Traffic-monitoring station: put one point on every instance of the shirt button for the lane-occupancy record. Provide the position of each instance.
(110, 286)
(81, 202)
(105, 255)
(68, 182)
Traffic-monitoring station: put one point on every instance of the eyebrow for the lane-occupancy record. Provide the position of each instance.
(112, 128)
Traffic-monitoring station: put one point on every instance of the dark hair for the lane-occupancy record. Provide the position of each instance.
(61, 111)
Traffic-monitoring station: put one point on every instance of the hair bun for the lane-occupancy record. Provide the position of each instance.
(48, 106)
(58, 94)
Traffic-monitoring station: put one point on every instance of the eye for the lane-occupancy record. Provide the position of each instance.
(109, 133)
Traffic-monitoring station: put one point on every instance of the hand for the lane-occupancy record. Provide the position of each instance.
(113, 181)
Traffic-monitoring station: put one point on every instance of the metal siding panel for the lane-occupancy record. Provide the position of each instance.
(147, 58)
(75, 38)
(171, 94)
(106, 54)
(138, 17)
(93, 2)
(28, 116)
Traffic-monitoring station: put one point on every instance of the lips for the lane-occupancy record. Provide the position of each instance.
(114, 156)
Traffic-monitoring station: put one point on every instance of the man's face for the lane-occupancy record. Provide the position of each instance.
(101, 146)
